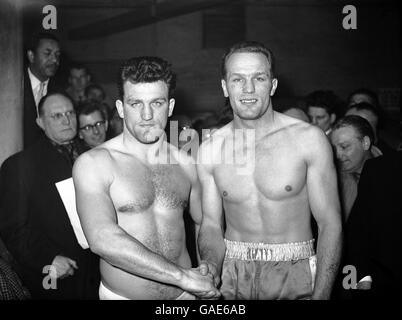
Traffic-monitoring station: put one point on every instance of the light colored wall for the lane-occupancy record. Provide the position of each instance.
(11, 85)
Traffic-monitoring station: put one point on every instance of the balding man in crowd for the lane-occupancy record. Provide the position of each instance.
(352, 139)
(373, 116)
(34, 224)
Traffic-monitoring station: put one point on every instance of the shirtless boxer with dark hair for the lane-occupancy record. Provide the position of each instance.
(131, 192)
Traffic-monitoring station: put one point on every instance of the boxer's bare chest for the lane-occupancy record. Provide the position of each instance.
(137, 187)
(278, 172)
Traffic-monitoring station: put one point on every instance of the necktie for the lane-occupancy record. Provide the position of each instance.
(70, 151)
(39, 95)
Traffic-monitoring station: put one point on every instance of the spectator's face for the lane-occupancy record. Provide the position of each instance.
(58, 119)
(249, 84)
(350, 149)
(92, 128)
(366, 114)
(145, 109)
(79, 79)
(320, 117)
(361, 97)
(95, 95)
(44, 62)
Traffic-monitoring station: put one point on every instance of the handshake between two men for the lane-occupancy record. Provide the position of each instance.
(202, 281)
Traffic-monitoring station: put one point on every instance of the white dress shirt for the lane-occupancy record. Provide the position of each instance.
(39, 89)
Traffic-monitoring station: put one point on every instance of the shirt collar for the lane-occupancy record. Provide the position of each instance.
(34, 80)
(328, 131)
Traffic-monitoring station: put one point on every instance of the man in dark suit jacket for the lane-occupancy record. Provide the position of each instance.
(33, 221)
(373, 232)
(43, 54)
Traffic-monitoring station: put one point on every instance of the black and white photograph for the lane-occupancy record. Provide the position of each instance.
(221, 153)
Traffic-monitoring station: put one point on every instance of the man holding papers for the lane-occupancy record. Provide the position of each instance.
(33, 221)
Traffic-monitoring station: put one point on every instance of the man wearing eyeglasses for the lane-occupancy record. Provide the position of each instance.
(34, 224)
(92, 124)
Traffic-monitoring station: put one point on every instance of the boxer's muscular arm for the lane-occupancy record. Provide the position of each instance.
(107, 239)
(324, 204)
(188, 164)
(210, 239)
(195, 207)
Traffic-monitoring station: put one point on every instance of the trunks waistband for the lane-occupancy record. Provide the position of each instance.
(107, 294)
(253, 251)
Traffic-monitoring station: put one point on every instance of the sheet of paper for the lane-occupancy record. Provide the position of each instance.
(67, 194)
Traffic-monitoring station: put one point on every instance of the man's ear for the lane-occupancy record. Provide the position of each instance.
(30, 56)
(332, 118)
(39, 122)
(274, 86)
(171, 106)
(224, 88)
(366, 143)
(106, 125)
(119, 107)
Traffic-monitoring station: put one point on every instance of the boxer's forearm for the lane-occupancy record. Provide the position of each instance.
(211, 246)
(127, 253)
(197, 249)
(121, 250)
(329, 248)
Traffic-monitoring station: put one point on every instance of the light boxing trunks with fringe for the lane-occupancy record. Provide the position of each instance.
(261, 271)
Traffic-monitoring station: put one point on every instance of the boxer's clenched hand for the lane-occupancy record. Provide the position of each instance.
(198, 284)
(206, 267)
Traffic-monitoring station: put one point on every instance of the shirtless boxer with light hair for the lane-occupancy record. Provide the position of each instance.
(266, 250)
(131, 205)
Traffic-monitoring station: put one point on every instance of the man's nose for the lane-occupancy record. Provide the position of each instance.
(314, 121)
(147, 113)
(66, 119)
(95, 130)
(339, 154)
(54, 59)
(249, 86)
